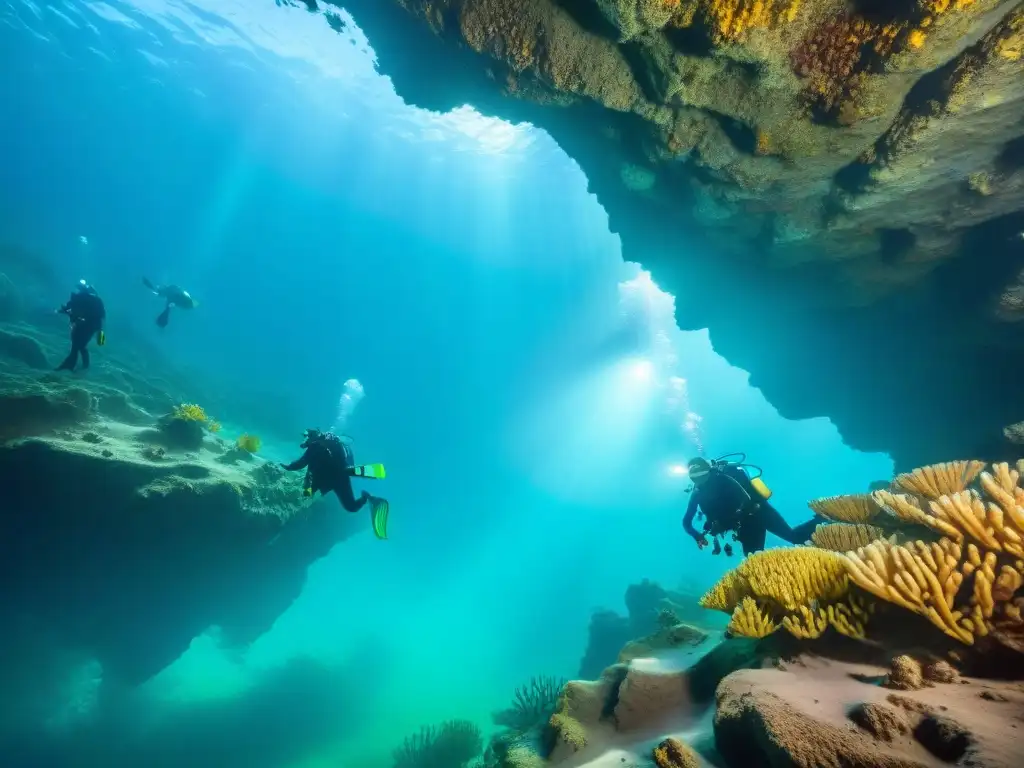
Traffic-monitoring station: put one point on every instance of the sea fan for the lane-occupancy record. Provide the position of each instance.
(533, 704)
(453, 745)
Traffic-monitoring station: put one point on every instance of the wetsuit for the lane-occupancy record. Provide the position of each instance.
(730, 503)
(87, 313)
(328, 463)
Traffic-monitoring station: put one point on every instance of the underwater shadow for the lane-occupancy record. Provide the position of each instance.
(284, 717)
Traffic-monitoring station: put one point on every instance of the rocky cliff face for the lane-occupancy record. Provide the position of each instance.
(835, 188)
(119, 540)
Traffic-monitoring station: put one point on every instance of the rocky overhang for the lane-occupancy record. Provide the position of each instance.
(834, 189)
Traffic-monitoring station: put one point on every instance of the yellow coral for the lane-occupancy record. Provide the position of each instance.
(189, 412)
(788, 578)
(916, 38)
(731, 20)
(248, 443)
(854, 508)
(748, 620)
(850, 617)
(980, 182)
(978, 528)
(673, 753)
(908, 509)
(843, 537)
(923, 578)
(940, 479)
(938, 7)
(806, 623)
(569, 730)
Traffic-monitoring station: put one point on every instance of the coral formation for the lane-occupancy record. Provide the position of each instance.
(961, 567)
(905, 675)
(940, 672)
(672, 753)
(248, 443)
(803, 589)
(567, 730)
(966, 582)
(842, 537)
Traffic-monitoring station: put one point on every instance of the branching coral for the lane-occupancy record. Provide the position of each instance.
(803, 589)
(965, 582)
(787, 577)
(190, 412)
(940, 479)
(453, 745)
(843, 537)
(748, 620)
(855, 508)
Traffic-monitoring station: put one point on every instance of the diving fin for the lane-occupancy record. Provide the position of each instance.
(379, 509)
(369, 471)
(164, 317)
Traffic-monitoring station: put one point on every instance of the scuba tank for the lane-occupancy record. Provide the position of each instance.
(756, 480)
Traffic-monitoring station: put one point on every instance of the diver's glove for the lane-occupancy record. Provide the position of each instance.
(702, 541)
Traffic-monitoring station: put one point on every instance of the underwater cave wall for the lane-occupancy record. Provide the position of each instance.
(842, 217)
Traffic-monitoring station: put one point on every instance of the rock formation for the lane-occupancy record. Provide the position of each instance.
(903, 652)
(119, 541)
(834, 187)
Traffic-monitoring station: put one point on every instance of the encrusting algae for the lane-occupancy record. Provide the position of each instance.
(961, 566)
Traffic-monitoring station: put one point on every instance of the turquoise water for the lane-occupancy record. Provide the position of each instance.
(520, 379)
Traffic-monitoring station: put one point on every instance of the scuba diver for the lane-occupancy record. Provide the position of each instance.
(330, 466)
(733, 502)
(86, 312)
(175, 297)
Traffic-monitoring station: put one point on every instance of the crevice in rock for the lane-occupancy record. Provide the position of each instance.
(690, 41)
(637, 62)
(885, 11)
(895, 245)
(588, 15)
(740, 134)
(924, 98)
(1011, 158)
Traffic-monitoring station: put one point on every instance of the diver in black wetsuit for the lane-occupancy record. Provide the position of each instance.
(330, 466)
(86, 311)
(734, 503)
(174, 296)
